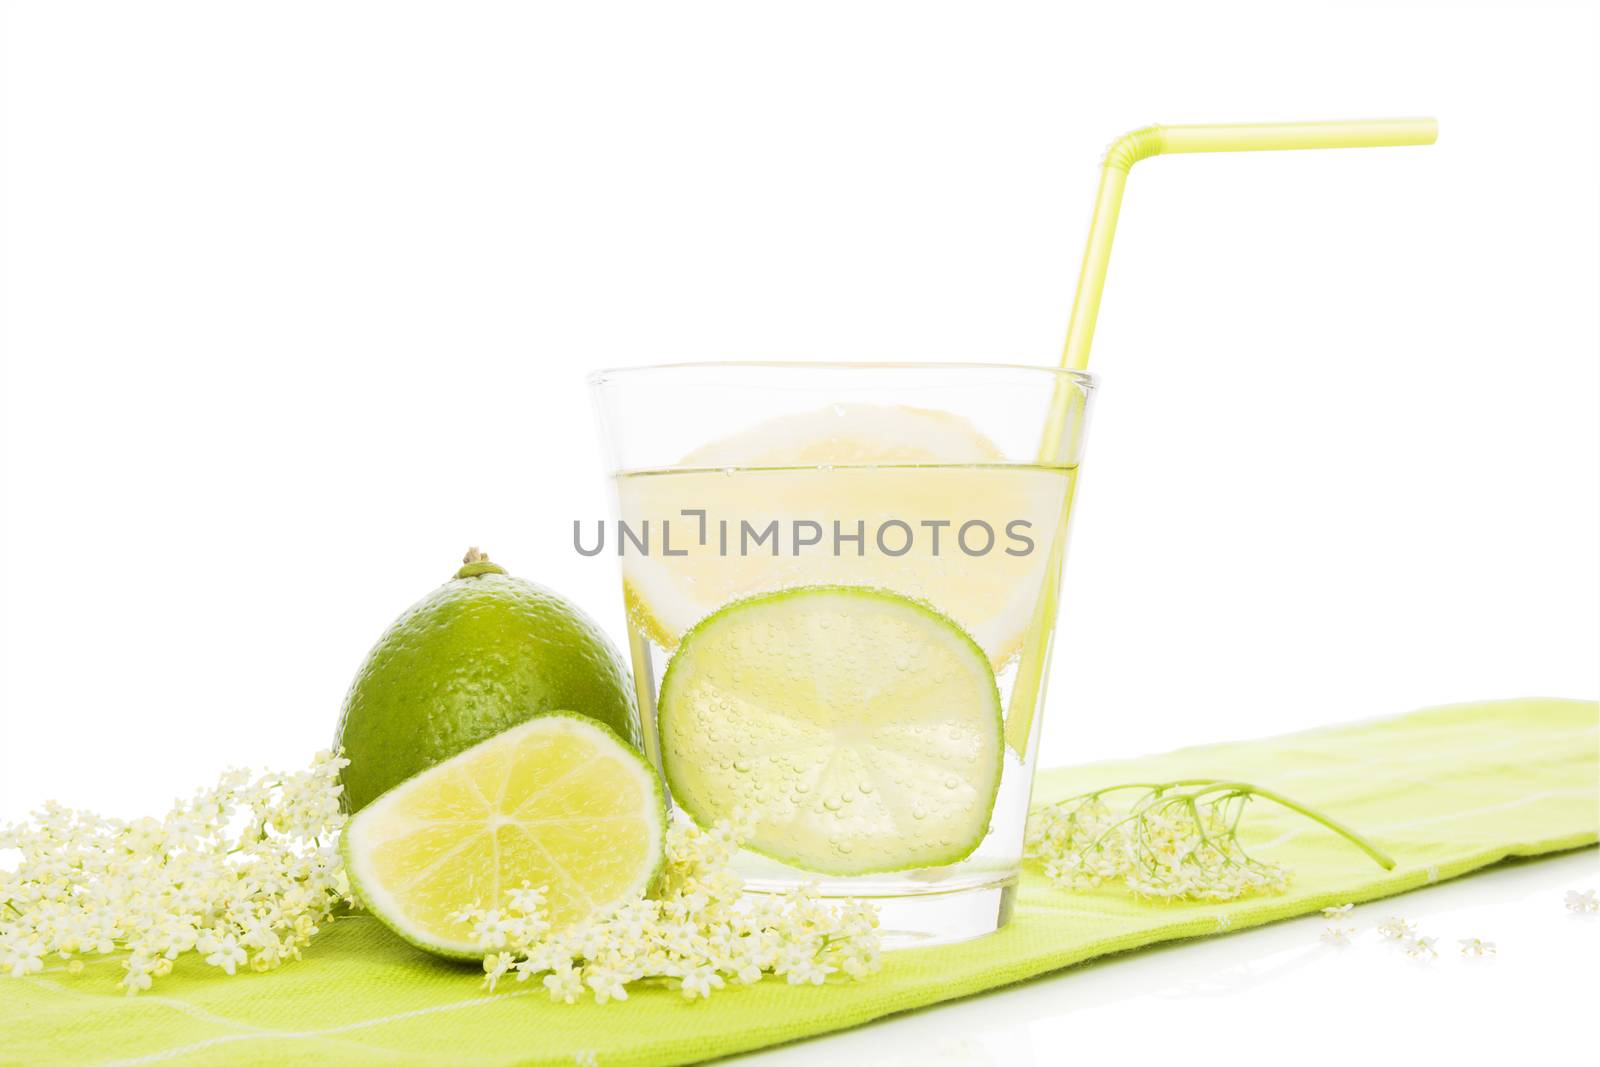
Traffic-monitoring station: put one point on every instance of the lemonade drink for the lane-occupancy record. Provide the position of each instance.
(884, 667)
(827, 610)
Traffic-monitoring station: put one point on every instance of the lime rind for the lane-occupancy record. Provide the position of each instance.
(914, 853)
(365, 886)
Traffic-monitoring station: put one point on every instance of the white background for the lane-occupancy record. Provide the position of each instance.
(299, 298)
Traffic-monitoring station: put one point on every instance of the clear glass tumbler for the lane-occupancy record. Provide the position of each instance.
(841, 583)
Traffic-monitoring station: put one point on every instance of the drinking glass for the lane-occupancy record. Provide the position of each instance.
(857, 565)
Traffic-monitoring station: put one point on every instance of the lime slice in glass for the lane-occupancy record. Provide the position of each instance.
(557, 802)
(860, 728)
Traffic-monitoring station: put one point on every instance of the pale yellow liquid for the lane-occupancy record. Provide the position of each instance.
(992, 595)
(988, 587)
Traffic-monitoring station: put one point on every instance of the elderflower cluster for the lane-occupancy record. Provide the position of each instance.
(241, 874)
(698, 933)
(1167, 844)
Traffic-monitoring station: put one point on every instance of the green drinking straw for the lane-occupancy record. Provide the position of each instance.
(1066, 407)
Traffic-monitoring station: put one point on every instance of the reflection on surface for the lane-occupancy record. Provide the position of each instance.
(1200, 1002)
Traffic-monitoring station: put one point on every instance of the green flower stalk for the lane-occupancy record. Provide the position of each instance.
(1177, 840)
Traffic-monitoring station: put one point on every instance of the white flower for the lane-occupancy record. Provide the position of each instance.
(861, 961)
(138, 977)
(1338, 935)
(526, 900)
(607, 983)
(1338, 912)
(1395, 928)
(700, 981)
(565, 985)
(20, 958)
(811, 971)
(1421, 948)
(1472, 946)
(226, 953)
(491, 930)
(495, 967)
(1581, 902)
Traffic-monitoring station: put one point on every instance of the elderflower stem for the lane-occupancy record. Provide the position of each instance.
(1179, 839)
(1379, 856)
(1159, 787)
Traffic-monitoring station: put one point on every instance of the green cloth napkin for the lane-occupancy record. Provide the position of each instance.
(1445, 791)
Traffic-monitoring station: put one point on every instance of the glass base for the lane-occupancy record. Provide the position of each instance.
(941, 917)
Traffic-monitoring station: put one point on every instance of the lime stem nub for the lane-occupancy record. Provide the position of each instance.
(476, 562)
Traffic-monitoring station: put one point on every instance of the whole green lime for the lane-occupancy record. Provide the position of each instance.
(480, 654)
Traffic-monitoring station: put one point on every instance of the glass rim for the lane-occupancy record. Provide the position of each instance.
(607, 374)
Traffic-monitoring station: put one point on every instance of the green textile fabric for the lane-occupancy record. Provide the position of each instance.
(1445, 791)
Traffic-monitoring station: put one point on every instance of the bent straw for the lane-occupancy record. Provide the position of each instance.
(1067, 404)
(1170, 140)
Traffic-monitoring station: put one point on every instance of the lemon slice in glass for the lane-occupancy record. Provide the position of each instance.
(557, 802)
(860, 728)
(918, 475)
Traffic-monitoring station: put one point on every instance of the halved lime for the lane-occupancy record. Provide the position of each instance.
(557, 802)
(861, 729)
